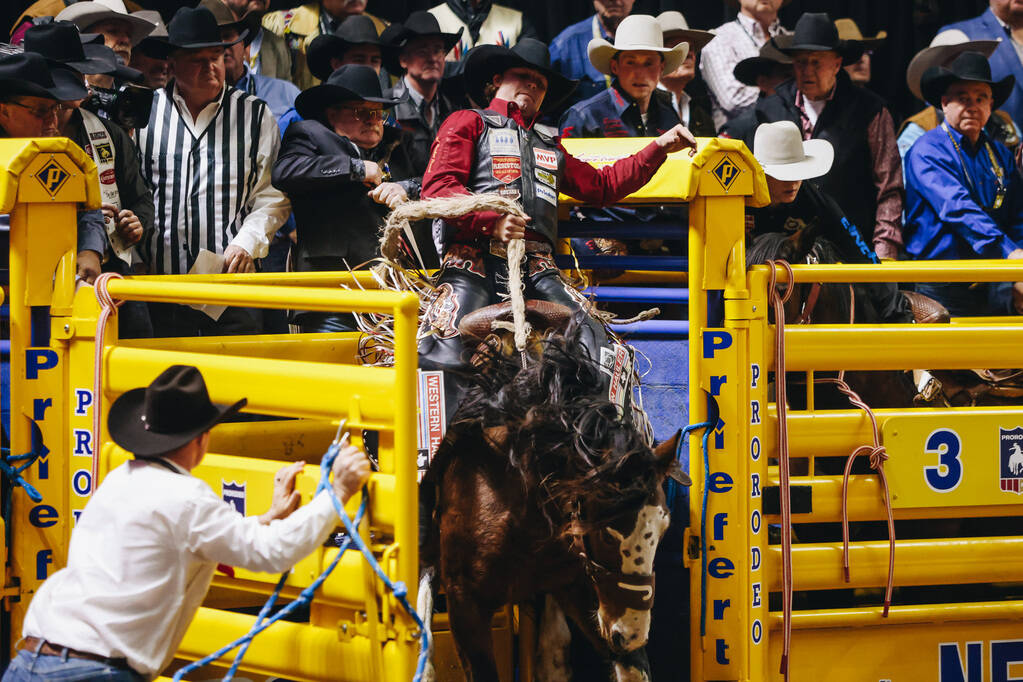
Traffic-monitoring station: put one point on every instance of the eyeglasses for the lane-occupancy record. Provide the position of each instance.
(366, 115)
(41, 114)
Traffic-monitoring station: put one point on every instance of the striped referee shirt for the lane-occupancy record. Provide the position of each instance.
(210, 178)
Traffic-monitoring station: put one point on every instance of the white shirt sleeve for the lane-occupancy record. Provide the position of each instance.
(270, 207)
(215, 531)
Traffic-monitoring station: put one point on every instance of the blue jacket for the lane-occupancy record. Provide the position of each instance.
(569, 56)
(943, 219)
(1004, 60)
(612, 113)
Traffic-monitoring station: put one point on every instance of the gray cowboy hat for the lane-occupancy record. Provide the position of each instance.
(945, 47)
(91, 12)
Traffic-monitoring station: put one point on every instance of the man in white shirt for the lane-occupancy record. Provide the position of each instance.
(207, 151)
(756, 23)
(146, 546)
(692, 114)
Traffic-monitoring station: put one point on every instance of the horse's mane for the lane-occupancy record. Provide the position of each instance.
(562, 438)
(781, 245)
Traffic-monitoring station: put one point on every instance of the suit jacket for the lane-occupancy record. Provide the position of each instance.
(322, 172)
(1004, 60)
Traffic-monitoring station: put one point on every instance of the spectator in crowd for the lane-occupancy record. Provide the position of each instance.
(356, 41)
(199, 122)
(481, 22)
(849, 31)
(145, 548)
(756, 23)
(569, 49)
(943, 50)
(866, 178)
(149, 55)
(692, 112)
(765, 72)
(299, 26)
(418, 61)
(278, 94)
(964, 197)
(268, 54)
(120, 30)
(1002, 21)
(127, 201)
(502, 150)
(342, 160)
(798, 208)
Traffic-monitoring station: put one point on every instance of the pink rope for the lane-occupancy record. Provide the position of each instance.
(108, 308)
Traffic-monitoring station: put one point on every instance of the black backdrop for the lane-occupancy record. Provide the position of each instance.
(910, 23)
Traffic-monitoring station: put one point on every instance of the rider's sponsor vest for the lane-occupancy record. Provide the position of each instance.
(521, 164)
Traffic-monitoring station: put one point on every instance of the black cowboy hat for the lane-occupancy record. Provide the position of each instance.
(69, 84)
(816, 32)
(770, 58)
(194, 29)
(972, 67)
(60, 42)
(27, 74)
(117, 69)
(348, 82)
(357, 29)
(487, 61)
(167, 414)
(420, 24)
(247, 27)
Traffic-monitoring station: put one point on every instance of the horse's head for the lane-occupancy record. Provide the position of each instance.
(617, 545)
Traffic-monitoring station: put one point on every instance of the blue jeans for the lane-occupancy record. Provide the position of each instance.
(29, 666)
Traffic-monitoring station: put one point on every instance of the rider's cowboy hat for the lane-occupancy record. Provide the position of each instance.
(779, 147)
(347, 83)
(357, 29)
(673, 24)
(945, 47)
(636, 32)
(816, 33)
(194, 29)
(91, 12)
(167, 414)
(486, 61)
(419, 24)
(29, 74)
(971, 67)
(770, 58)
(849, 30)
(61, 42)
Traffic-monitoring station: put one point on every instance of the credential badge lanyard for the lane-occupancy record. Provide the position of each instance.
(996, 168)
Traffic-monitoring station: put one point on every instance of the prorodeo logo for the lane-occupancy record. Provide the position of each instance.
(726, 172)
(1010, 459)
(52, 177)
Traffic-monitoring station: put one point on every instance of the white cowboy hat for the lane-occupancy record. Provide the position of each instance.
(636, 32)
(91, 12)
(945, 47)
(784, 155)
(673, 23)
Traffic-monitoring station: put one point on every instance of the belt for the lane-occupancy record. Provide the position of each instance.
(41, 646)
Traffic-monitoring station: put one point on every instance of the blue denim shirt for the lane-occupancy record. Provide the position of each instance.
(569, 56)
(613, 113)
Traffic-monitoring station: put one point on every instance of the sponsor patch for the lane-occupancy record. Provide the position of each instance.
(545, 159)
(547, 194)
(617, 363)
(546, 177)
(233, 493)
(503, 143)
(104, 152)
(506, 168)
(97, 135)
(1010, 458)
(431, 417)
(509, 193)
(107, 177)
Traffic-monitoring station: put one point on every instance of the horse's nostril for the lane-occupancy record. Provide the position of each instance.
(617, 640)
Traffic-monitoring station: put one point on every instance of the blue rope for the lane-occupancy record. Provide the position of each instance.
(305, 597)
(707, 428)
(14, 473)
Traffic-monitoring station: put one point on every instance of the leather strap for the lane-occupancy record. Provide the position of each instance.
(41, 646)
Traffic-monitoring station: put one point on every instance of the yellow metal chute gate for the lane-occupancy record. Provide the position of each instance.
(356, 631)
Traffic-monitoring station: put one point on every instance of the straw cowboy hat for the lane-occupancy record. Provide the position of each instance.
(815, 33)
(675, 25)
(945, 47)
(484, 62)
(167, 414)
(248, 24)
(971, 67)
(90, 12)
(784, 155)
(636, 32)
(848, 31)
(347, 83)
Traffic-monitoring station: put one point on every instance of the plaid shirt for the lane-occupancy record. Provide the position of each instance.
(736, 40)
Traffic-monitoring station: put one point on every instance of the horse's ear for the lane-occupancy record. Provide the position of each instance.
(803, 240)
(668, 463)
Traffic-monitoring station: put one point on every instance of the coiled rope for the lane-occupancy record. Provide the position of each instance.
(108, 309)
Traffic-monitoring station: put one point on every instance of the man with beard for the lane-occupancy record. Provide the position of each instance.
(120, 30)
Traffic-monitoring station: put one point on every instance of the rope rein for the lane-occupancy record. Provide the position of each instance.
(108, 309)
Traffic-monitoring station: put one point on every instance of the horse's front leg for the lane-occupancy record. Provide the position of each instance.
(631, 667)
(470, 627)
(552, 663)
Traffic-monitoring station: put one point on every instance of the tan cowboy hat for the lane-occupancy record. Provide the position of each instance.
(849, 31)
(674, 24)
(779, 147)
(636, 32)
(91, 12)
(945, 47)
